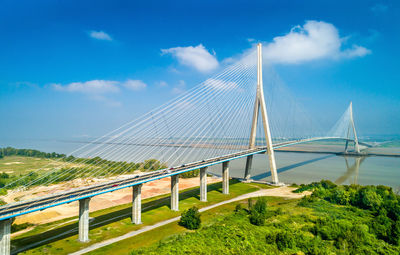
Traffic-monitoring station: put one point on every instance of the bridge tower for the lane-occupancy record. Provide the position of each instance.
(353, 127)
(260, 104)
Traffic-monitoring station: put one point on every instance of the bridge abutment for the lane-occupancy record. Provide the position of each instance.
(247, 172)
(5, 236)
(84, 220)
(175, 192)
(137, 204)
(225, 177)
(203, 184)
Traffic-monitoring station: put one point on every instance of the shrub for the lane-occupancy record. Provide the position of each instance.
(190, 218)
(250, 203)
(238, 208)
(258, 212)
(261, 205)
(257, 218)
(285, 240)
(270, 237)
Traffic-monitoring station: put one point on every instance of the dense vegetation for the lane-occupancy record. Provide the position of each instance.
(9, 151)
(190, 218)
(327, 222)
(380, 200)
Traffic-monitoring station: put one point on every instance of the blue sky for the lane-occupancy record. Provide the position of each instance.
(81, 68)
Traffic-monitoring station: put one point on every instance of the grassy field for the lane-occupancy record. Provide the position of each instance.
(17, 165)
(23, 165)
(61, 237)
(164, 233)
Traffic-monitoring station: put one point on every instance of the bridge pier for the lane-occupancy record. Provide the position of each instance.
(175, 192)
(247, 172)
(137, 204)
(225, 177)
(203, 184)
(5, 236)
(84, 220)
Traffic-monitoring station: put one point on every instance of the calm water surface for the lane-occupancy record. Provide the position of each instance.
(308, 167)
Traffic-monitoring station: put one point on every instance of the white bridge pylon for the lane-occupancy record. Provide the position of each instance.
(353, 127)
(260, 105)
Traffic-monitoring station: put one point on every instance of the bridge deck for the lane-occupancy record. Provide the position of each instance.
(41, 203)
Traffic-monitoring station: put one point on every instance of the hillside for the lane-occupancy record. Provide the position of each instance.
(312, 225)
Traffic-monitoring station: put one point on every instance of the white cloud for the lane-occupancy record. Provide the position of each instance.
(94, 87)
(100, 90)
(135, 84)
(179, 88)
(196, 57)
(355, 51)
(315, 40)
(100, 35)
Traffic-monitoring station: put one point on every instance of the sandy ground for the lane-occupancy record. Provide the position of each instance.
(110, 199)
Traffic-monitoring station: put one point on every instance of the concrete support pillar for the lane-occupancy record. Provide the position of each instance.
(5, 239)
(137, 204)
(346, 146)
(225, 177)
(249, 162)
(203, 184)
(175, 192)
(84, 220)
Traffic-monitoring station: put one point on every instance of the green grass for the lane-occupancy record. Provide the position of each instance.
(115, 221)
(22, 165)
(164, 233)
(289, 230)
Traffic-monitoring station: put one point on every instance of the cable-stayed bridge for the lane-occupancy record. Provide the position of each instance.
(222, 119)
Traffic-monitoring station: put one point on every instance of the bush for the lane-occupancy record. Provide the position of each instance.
(250, 203)
(190, 218)
(258, 212)
(261, 205)
(257, 218)
(285, 240)
(270, 237)
(238, 208)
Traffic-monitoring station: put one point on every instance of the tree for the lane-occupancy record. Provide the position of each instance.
(258, 212)
(190, 218)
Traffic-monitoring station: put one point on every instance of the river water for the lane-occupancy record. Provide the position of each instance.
(293, 167)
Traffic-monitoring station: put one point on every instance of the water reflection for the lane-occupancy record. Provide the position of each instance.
(292, 166)
(352, 171)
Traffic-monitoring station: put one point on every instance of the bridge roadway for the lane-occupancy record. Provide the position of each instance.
(44, 202)
(41, 203)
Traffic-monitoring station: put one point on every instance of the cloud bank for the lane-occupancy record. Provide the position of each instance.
(197, 57)
(100, 89)
(314, 40)
(89, 87)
